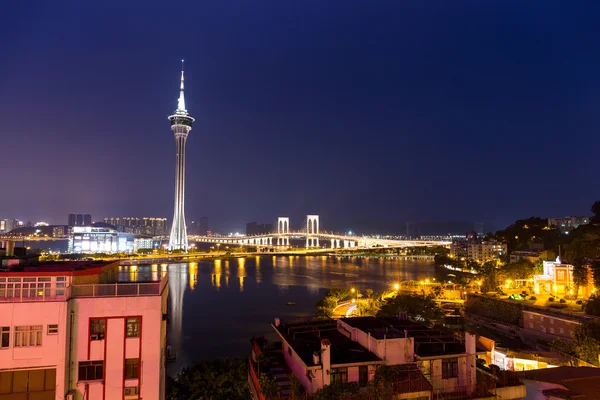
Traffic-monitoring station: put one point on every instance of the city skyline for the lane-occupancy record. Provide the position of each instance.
(373, 117)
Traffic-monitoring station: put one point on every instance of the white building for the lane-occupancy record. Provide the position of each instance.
(90, 239)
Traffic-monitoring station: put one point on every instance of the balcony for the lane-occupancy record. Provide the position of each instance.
(119, 289)
(91, 291)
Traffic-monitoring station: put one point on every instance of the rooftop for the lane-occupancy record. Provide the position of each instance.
(428, 341)
(57, 268)
(580, 382)
(305, 339)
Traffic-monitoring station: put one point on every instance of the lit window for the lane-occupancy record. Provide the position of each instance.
(52, 329)
(97, 327)
(133, 327)
(91, 370)
(28, 336)
(4, 336)
(449, 368)
(339, 375)
(132, 368)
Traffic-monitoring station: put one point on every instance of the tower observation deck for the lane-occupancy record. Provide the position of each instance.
(181, 125)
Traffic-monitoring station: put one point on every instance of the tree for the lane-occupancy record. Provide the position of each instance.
(295, 387)
(369, 293)
(592, 306)
(339, 391)
(221, 379)
(596, 274)
(585, 344)
(268, 386)
(522, 269)
(417, 307)
(596, 210)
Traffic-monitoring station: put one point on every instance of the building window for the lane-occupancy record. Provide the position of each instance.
(52, 329)
(28, 336)
(530, 325)
(4, 337)
(551, 330)
(133, 327)
(551, 321)
(339, 375)
(97, 327)
(363, 375)
(91, 370)
(562, 330)
(530, 316)
(449, 368)
(132, 368)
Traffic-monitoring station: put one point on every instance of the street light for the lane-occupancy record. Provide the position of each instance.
(396, 286)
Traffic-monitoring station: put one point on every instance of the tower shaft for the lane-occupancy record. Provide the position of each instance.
(181, 125)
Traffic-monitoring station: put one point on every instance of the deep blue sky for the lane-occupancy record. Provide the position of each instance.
(369, 113)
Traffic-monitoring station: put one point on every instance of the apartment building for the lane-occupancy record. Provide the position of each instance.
(73, 331)
(432, 363)
(487, 250)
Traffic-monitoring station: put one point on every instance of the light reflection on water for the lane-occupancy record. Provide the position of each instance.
(216, 306)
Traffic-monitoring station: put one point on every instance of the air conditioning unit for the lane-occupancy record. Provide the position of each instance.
(94, 336)
(130, 391)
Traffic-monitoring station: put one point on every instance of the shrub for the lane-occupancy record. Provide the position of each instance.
(551, 299)
(533, 298)
(559, 306)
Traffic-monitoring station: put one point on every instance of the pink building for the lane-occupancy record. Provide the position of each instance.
(70, 331)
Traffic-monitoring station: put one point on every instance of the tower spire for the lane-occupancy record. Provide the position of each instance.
(181, 101)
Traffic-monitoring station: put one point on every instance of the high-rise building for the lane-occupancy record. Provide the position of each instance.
(7, 225)
(487, 250)
(140, 226)
(75, 332)
(181, 125)
(79, 220)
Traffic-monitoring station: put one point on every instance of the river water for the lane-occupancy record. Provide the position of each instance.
(216, 306)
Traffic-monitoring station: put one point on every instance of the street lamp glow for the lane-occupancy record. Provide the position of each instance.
(396, 286)
(352, 290)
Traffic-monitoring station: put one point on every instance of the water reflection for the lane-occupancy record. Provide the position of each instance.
(228, 301)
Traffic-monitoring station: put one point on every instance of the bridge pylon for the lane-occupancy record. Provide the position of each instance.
(283, 228)
(312, 231)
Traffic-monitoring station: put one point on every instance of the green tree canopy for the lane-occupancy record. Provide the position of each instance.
(416, 306)
(221, 379)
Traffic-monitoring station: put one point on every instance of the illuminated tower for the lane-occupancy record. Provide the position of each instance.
(181, 125)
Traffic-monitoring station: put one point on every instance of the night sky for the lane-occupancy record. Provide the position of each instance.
(369, 113)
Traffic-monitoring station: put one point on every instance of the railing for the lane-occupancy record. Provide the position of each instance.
(254, 379)
(117, 290)
(31, 299)
(95, 290)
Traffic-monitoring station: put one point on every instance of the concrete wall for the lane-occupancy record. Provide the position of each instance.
(116, 347)
(549, 324)
(51, 353)
(296, 365)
